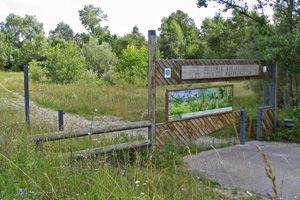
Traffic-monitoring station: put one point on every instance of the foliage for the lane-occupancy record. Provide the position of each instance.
(36, 71)
(4, 51)
(62, 31)
(64, 64)
(179, 37)
(132, 65)
(100, 59)
(91, 17)
(134, 38)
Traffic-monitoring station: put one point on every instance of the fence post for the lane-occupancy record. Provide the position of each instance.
(26, 96)
(259, 122)
(272, 86)
(243, 127)
(61, 120)
(151, 84)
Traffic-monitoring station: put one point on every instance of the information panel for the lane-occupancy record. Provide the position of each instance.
(194, 72)
(188, 103)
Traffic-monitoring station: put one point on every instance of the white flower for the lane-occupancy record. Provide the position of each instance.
(142, 193)
(89, 133)
(96, 110)
(137, 182)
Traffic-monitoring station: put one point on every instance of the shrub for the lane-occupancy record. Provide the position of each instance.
(36, 72)
(64, 62)
(100, 59)
(132, 65)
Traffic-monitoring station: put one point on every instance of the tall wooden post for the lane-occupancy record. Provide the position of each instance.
(26, 96)
(273, 91)
(151, 84)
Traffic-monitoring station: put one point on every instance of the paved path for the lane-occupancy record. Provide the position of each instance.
(242, 166)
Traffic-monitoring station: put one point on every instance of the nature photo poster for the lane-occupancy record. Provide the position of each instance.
(189, 103)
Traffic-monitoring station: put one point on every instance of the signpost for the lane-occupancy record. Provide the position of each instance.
(195, 72)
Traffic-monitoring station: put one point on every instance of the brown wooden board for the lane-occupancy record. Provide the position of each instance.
(268, 116)
(176, 64)
(186, 131)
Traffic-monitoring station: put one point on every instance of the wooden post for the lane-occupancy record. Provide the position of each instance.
(61, 119)
(275, 94)
(26, 96)
(243, 127)
(151, 84)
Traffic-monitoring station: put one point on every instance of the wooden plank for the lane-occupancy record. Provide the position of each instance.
(89, 131)
(107, 149)
(152, 83)
(198, 72)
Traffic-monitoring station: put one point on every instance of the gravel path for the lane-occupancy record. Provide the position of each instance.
(71, 121)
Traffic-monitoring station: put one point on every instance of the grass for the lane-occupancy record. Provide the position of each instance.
(121, 100)
(26, 173)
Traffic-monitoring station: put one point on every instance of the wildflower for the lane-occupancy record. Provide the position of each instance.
(137, 182)
(96, 110)
(142, 193)
(89, 133)
(21, 192)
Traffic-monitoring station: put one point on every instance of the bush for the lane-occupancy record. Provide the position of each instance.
(100, 59)
(36, 72)
(132, 65)
(64, 62)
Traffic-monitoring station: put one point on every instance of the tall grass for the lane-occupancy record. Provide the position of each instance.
(27, 173)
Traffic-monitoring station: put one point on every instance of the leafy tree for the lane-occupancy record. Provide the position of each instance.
(100, 59)
(20, 31)
(132, 65)
(64, 63)
(62, 31)
(91, 18)
(18, 28)
(179, 37)
(134, 38)
(171, 41)
(34, 50)
(4, 51)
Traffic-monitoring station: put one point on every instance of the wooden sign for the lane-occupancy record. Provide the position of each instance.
(192, 72)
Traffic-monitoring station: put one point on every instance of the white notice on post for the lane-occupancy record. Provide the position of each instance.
(192, 72)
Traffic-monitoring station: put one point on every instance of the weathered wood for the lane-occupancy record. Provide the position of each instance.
(107, 149)
(197, 72)
(176, 65)
(183, 132)
(152, 83)
(89, 131)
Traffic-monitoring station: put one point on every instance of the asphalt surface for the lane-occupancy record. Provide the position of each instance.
(242, 166)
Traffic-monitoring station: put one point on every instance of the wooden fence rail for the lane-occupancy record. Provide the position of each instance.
(89, 131)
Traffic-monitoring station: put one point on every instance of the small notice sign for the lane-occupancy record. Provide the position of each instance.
(168, 72)
(192, 72)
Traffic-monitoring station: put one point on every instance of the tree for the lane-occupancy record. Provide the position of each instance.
(179, 37)
(64, 63)
(91, 18)
(20, 31)
(134, 38)
(100, 59)
(18, 28)
(62, 31)
(132, 65)
(4, 51)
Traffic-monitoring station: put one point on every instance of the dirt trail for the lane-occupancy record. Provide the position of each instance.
(71, 121)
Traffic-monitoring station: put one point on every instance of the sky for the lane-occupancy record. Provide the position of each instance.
(122, 15)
